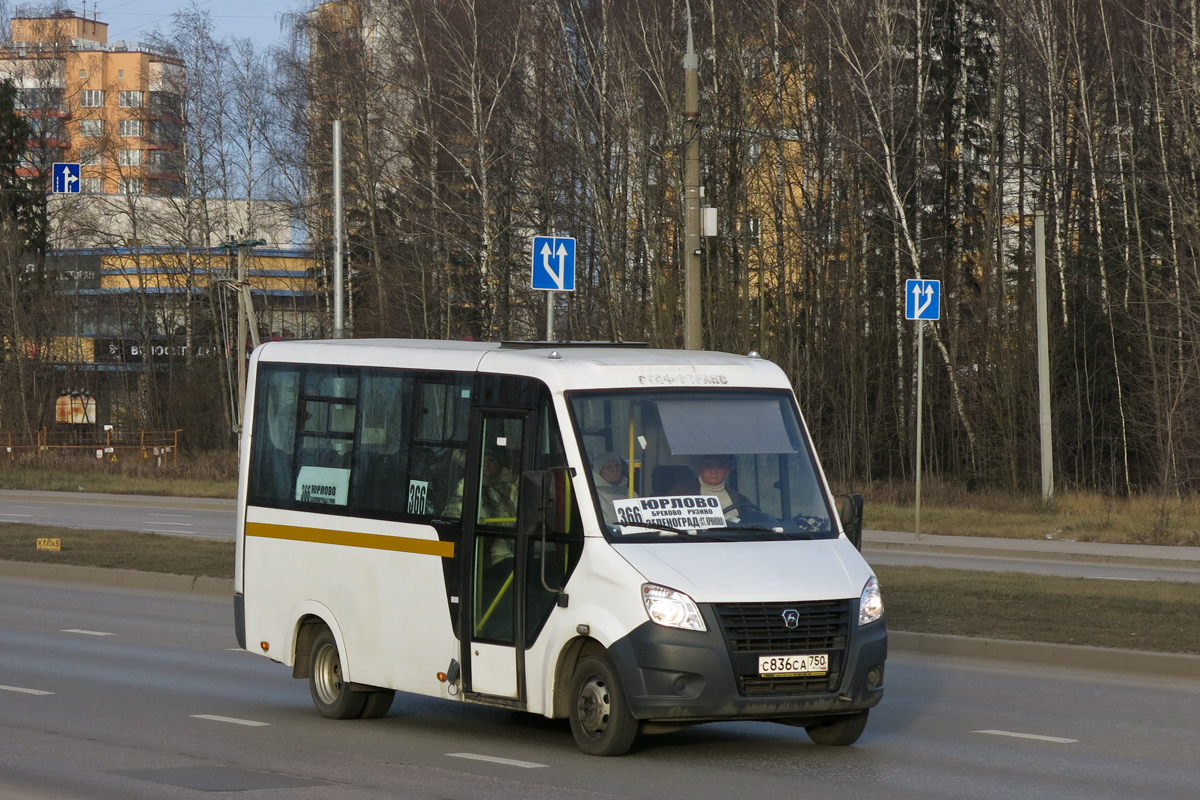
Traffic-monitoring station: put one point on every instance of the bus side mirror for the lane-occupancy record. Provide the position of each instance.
(545, 502)
(850, 509)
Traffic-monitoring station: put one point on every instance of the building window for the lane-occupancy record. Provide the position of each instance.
(131, 127)
(131, 186)
(130, 158)
(91, 128)
(129, 99)
(91, 156)
(82, 73)
(120, 73)
(91, 185)
(91, 98)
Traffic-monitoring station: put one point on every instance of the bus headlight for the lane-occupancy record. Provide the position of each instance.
(671, 608)
(870, 605)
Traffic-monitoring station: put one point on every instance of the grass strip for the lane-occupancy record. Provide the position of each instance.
(1136, 615)
(148, 552)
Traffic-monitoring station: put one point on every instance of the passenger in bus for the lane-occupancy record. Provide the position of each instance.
(608, 473)
(497, 493)
(713, 480)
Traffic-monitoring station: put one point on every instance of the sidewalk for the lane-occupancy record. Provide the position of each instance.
(1048, 549)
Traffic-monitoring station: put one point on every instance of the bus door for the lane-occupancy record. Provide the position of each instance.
(493, 665)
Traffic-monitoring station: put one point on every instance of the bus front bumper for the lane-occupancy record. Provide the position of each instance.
(672, 675)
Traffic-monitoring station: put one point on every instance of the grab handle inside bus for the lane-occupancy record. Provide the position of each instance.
(545, 508)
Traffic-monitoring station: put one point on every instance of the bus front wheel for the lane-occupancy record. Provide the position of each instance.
(331, 693)
(600, 717)
(840, 731)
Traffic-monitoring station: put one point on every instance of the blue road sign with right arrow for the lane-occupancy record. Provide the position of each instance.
(554, 263)
(65, 178)
(922, 299)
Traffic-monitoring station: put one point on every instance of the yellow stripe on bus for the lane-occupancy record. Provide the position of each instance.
(372, 541)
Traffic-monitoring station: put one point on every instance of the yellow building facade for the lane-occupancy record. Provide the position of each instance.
(114, 108)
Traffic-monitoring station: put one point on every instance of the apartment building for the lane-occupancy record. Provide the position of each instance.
(113, 107)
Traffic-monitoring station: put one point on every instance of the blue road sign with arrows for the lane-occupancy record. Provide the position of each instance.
(554, 263)
(922, 299)
(66, 178)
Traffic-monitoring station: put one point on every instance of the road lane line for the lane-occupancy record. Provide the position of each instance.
(233, 720)
(512, 762)
(23, 691)
(87, 633)
(1038, 737)
(176, 516)
(25, 516)
(177, 524)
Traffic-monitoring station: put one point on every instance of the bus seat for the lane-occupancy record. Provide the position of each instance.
(667, 476)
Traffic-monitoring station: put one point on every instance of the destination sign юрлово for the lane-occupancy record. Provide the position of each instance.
(689, 512)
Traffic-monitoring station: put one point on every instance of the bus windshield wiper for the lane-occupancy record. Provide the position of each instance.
(650, 524)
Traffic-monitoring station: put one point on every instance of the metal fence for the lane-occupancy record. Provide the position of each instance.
(106, 444)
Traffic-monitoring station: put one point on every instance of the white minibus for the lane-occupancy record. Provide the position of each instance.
(636, 540)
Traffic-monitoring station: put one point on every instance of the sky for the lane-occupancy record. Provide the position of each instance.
(132, 20)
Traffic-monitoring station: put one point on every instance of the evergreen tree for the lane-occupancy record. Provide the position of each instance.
(25, 290)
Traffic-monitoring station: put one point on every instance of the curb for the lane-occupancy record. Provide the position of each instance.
(1173, 665)
(1025, 555)
(121, 578)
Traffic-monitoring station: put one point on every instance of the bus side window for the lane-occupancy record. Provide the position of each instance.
(381, 471)
(274, 436)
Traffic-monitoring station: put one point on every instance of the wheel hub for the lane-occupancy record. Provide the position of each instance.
(594, 706)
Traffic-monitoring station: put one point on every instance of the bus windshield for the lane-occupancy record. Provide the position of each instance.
(700, 464)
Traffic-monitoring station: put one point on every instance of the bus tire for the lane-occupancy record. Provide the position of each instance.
(377, 704)
(331, 693)
(599, 714)
(839, 731)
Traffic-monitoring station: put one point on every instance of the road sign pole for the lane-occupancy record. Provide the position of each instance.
(549, 316)
(920, 412)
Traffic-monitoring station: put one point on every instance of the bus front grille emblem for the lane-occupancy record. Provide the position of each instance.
(791, 618)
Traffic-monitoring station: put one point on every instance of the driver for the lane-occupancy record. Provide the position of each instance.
(714, 470)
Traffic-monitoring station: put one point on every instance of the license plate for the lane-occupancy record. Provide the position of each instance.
(811, 664)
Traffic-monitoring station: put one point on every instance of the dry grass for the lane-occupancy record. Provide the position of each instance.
(193, 475)
(148, 552)
(1083, 517)
(1140, 615)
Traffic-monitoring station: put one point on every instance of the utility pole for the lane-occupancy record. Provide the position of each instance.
(245, 315)
(339, 279)
(1046, 423)
(691, 193)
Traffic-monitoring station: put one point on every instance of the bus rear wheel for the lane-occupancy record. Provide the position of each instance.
(600, 717)
(331, 693)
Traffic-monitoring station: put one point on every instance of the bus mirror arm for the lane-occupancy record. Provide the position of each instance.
(850, 509)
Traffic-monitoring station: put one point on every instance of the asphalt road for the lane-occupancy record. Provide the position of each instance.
(108, 693)
(199, 517)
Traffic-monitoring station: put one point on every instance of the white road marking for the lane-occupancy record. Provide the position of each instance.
(1038, 737)
(23, 691)
(176, 516)
(25, 516)
(31, 508)
(233, 720)
(512, 762)
(87, 633)
(177, 524)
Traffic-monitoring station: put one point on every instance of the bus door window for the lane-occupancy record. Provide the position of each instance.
(495, 528)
